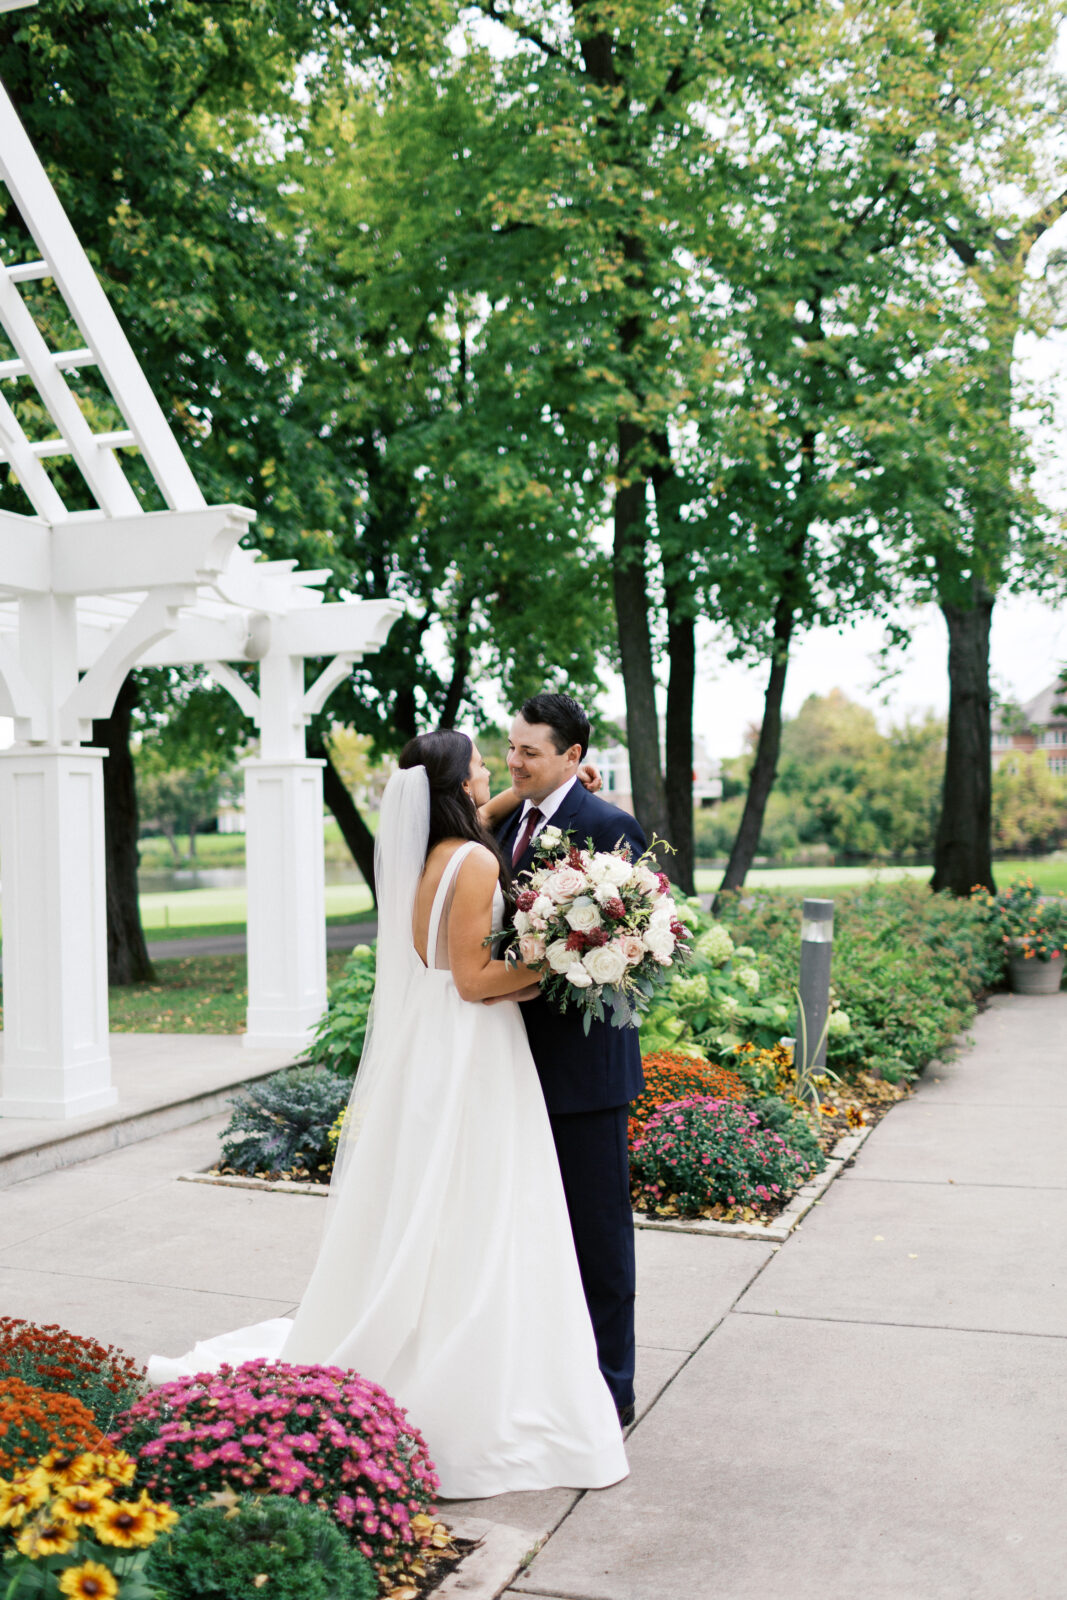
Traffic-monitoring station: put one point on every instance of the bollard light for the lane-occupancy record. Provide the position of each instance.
(816, 953)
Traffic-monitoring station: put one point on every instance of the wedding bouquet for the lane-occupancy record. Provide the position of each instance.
(601, 929)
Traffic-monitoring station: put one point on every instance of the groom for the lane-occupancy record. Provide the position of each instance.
(588, 1080)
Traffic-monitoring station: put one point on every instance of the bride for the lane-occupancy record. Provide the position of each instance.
(447, 1271)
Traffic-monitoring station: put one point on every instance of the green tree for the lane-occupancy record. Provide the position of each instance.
(1029, 805)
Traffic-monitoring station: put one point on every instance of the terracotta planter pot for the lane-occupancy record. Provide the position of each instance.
(1036, 977)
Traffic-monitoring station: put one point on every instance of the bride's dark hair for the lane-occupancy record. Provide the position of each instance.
(446, 755)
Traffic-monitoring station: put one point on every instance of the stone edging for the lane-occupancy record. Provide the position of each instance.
(775, 1231)
(499, 1555)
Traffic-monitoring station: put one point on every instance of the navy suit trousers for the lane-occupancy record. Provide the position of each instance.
(594, 1162)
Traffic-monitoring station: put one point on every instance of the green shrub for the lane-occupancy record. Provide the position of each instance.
(338, 1040)
(255, 1546)
(702, 1152)
(795, 1128)
(908, 967)
(282, 1123)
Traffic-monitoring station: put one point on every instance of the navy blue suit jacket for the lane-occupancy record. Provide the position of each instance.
(579, 1071)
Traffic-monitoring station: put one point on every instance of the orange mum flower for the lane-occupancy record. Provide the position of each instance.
(670, 1075)
(90, 1581)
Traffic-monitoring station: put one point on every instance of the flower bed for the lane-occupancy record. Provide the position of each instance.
(68, 1527)
(34, 1421)
(49, 1357)
(669, 1075)
(321, 1434)
(699, 1156)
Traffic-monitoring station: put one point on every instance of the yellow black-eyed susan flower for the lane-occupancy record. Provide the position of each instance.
(127, 1523)
(51, 1536)
(90, 1581)
(20, 1497)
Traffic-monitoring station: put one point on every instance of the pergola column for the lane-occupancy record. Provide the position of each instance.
(56, 1057)
(286, 901)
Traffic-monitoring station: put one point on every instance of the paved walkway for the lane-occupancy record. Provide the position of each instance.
(339, 936)
(877, 1410)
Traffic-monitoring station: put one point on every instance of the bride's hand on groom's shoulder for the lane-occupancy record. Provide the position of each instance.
(589, 777)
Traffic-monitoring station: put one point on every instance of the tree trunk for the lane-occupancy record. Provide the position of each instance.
(127, 953)
(681, 646)
(461, 665)
(635, 640)
(354, 831)
(963, 854)
(764, 767)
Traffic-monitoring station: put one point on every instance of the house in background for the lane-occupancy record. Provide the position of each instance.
(1040, 724)
(614, 763)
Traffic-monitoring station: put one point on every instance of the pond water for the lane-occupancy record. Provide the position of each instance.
(226, 878)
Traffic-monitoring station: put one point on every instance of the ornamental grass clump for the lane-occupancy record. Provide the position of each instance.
(70, 1526)
(34, 1421)
(243, 1546)
(670, 1075)
(703, 1152)
(320, 1434)
(49, 1357)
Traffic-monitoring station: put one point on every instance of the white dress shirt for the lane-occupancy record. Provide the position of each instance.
(547, 807)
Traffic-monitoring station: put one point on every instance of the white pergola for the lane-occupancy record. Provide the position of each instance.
(84, 596)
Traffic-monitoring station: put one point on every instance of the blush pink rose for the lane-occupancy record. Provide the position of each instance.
(532, 949)
(565, 884)
(632, 948)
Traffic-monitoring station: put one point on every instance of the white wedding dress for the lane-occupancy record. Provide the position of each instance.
(447, 1270)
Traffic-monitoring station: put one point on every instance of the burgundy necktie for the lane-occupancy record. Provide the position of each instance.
(533, 817)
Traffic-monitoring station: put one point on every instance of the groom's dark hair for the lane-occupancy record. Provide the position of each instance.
(563, 715)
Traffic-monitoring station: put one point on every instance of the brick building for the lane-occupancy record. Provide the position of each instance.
(1040, 724)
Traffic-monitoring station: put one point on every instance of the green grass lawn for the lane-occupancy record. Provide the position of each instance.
(1049, 872)
(194, 994)
(183, 912)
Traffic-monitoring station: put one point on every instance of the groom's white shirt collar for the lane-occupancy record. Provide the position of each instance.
(548, 806)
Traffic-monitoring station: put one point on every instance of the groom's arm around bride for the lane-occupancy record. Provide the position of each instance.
(588, 1079)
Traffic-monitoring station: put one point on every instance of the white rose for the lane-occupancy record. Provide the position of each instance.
(632, 948)
(597, 868)
(645, 879)
(617, 871)
(543, 906)
(565, 884)
(605, 892)
(659, 942)
(550, 836)
(605, 965)
(578, 976)
(538, 924)
(583, 915)
(558, 956)
(522, 922)
(662, 915)
(531, 949)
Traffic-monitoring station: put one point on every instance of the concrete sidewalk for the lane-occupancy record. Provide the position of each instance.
(876, 1409)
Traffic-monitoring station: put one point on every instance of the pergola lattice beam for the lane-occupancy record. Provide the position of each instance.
(64, 260)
